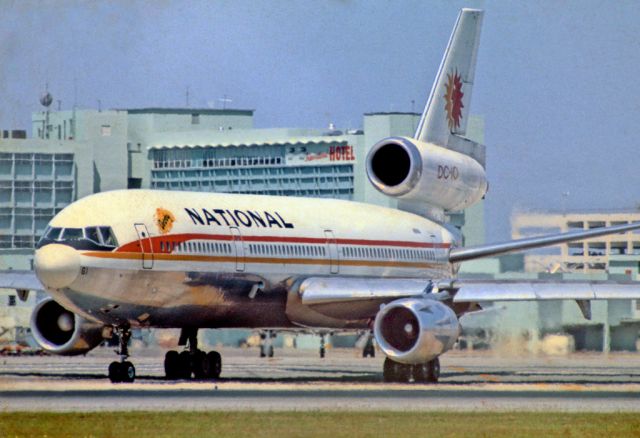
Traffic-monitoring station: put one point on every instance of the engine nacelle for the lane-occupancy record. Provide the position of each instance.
(415, 330)
(60, 331)
(412, 170)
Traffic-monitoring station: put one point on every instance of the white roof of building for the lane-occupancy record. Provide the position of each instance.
(256, 142)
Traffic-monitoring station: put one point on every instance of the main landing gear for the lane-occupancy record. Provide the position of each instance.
(266, 343)
(192, 362)
(402, 373)
(123, 370)
(369, 349)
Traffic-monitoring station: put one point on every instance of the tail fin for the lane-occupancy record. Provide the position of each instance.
(447, 109)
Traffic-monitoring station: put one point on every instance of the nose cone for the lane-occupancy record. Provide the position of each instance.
(57, 266)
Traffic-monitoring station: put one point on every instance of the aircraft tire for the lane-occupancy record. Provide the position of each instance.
(212, 365)
(369, 350)
(184, 365)
(389, 371)
(127, 372)
(171, 365)
(403, 373)
(434, 370)
(393, 371)
(114, 372)
(421, 373)
(197, 364)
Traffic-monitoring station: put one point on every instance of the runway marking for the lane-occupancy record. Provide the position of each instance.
(490, 378)
(457, 369)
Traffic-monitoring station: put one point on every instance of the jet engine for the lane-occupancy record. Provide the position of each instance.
(412, 170)
(415, 330)
(60, 331)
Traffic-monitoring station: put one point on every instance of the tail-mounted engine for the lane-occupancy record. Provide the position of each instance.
(60, 331)
(412, 170)
(415, 330)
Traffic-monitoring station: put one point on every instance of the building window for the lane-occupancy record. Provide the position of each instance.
(12, 300)
(105, 130)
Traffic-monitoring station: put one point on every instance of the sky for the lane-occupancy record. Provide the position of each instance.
(556, 81)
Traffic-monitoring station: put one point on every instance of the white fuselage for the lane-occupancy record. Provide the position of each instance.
(220, 260)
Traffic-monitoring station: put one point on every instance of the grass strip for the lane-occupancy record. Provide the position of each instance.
(319, 424)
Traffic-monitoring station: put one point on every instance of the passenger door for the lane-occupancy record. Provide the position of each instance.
(146, 248)
(333, 251)
(238, 248)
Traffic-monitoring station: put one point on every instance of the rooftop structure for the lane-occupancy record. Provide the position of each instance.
(75, 153)
(590, 256)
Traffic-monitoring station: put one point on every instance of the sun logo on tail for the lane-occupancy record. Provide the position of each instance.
(453, 99)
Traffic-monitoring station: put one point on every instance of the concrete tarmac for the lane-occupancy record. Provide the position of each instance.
(300, 380)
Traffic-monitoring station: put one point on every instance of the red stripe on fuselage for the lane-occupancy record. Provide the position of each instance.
(177, 239)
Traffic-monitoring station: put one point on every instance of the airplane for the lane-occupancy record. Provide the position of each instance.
(124, 259)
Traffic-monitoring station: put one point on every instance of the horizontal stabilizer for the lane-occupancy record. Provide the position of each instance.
(458, 255)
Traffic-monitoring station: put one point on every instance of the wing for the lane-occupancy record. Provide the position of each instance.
(458, 255)
(583, 292)
(21, 281)
(466, 291)
(355, 298)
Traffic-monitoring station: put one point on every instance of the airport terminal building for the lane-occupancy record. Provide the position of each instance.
(593, 256)
(80, 152)
(75, 153)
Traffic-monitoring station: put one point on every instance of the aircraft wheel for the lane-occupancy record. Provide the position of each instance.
(393, 371)
(369, 350)
(389, 370)
(403, 373)
(197, 364)
(127, 372)
(421, 373)
(212, 365)
(172, 364)
(114, 372)
(184, 367)
(322, 352)
(434, 370)
(270, 350)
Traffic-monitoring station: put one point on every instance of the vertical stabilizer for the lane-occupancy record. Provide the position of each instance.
(447, 110)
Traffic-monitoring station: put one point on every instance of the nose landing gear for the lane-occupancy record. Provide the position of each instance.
(123, 370)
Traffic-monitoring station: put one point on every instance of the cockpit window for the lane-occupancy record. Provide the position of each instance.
(107, 236)
(71, 234)
(92, 234)
(89, 238)
(52, 233)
